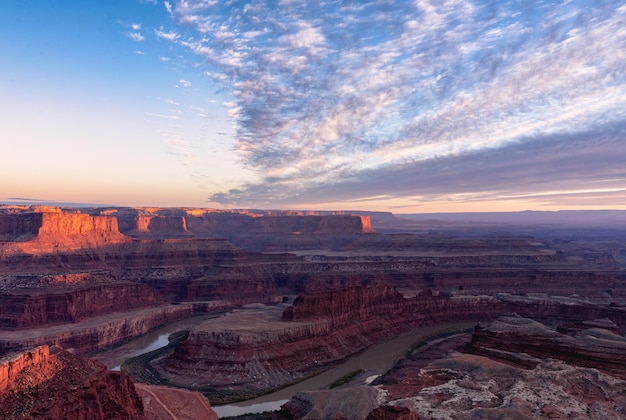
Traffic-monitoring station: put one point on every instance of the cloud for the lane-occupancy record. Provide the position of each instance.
(168, 7)
(415, 100)
(164, 116)
(136, 36)
(170, 36)
(184, 83)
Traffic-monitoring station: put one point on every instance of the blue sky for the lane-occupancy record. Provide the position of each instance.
(408, 106)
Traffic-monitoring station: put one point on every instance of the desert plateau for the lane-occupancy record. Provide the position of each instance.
(185, 313)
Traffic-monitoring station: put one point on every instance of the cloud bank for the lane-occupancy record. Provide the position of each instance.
(442, 100)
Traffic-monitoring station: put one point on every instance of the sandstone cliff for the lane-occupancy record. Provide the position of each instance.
(58, 384)
(164, 223)
(592, 347)
(54, 231)
(323, 328)
(343, 306)
(99, 332)
(51, 303)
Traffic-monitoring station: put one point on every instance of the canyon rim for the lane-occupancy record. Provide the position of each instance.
(281, 297)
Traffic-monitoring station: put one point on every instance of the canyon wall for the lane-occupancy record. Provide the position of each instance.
(100, 332)
(159, 222)
(326, 327)
(57, 384)
(343, 306)
(12, 365)
(68, 231)
(18, 227)
(516, 368)
(49, 305)
(508, 336)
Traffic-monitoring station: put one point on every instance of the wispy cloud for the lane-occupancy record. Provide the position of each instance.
(136, 36)
(421, 100)
(170, 36)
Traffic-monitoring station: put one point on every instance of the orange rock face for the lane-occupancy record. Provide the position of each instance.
(58, 384)
(51, 232)
(12, 365)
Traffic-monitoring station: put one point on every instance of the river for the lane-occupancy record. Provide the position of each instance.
(152, 340)
(374, 361)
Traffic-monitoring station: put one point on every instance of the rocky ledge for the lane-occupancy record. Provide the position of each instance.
(53, 383)
(513, 377)
(258, 349)
(597, 346)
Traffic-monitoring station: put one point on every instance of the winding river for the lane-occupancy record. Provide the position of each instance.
(152, 340)
(374, 361)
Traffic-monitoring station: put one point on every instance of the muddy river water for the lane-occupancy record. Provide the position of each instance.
(374, 361)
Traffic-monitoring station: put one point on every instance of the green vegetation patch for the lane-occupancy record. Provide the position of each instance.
(346, 378)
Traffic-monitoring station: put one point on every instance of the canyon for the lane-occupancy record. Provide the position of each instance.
(288, 294)
(502, 371)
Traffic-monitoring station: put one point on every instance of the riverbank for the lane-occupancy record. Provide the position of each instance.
(371, 364)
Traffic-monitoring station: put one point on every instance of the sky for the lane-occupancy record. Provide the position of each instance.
(390, 105)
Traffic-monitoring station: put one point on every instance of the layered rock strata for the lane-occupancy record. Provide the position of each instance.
(57, 384)
(255, 356)
(593, 347)
(209, 222)
(465, 386)
(514, 376)
(99, 332)
(52, 304)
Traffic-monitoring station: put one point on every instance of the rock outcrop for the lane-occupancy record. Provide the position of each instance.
(54, 383)
(509, 336)
(44, 232)
(161, 402)
(162, 223)
(58, 384)
(344, 306)
(52, 304)
(513, 376)
(102, 331)
(465, 386)
(350, 403)
(326, 327)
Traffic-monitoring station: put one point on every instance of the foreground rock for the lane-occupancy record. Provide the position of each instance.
(46, 383)
(464, 386)
(521, 372)
(511, 336)
(57, 384)
(348, 403)
(170, 403)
